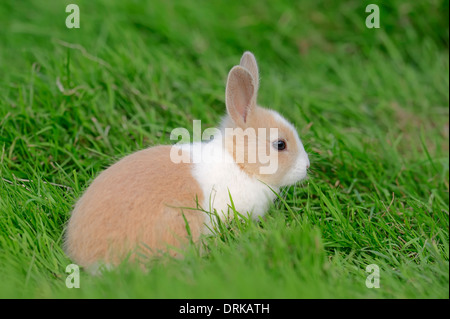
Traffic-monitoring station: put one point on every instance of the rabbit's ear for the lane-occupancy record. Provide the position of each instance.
(248, 61)
(240, 95)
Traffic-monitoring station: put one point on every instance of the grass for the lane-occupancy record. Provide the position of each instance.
(371, 106)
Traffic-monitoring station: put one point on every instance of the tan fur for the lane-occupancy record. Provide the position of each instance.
(132, 207)
(248, 62)
(263, 118)
(240, 93)
(244, 113)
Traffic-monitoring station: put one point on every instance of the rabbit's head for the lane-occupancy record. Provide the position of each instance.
(262, 142)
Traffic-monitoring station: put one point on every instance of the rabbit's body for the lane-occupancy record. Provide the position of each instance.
(132, 202)
(148, 201)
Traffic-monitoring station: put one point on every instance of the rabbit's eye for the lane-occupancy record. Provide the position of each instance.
(279, 145)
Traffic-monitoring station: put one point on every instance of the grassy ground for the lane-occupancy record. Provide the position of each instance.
(371, 106)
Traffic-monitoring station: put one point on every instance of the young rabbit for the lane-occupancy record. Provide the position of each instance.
(148, 198)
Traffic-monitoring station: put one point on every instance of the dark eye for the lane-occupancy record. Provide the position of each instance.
(279, 145)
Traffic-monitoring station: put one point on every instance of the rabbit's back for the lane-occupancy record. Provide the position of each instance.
(135, 204)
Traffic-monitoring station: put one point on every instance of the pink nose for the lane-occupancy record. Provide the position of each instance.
(307, 166)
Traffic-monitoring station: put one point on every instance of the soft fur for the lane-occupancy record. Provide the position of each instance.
(140, 205)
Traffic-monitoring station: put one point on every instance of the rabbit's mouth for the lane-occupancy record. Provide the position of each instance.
(298, 172)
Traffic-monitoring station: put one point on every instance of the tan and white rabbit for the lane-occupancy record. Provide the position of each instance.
(143, 200)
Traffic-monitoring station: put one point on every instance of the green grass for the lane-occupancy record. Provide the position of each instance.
(371, 106)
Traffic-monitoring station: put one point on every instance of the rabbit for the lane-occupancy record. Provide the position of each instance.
(150, 199)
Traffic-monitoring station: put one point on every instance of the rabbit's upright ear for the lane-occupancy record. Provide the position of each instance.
(248, 61)
(240, 95)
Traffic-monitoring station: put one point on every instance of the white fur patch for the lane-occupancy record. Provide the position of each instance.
(219, 177)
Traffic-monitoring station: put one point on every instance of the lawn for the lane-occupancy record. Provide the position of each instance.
(370, 105)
